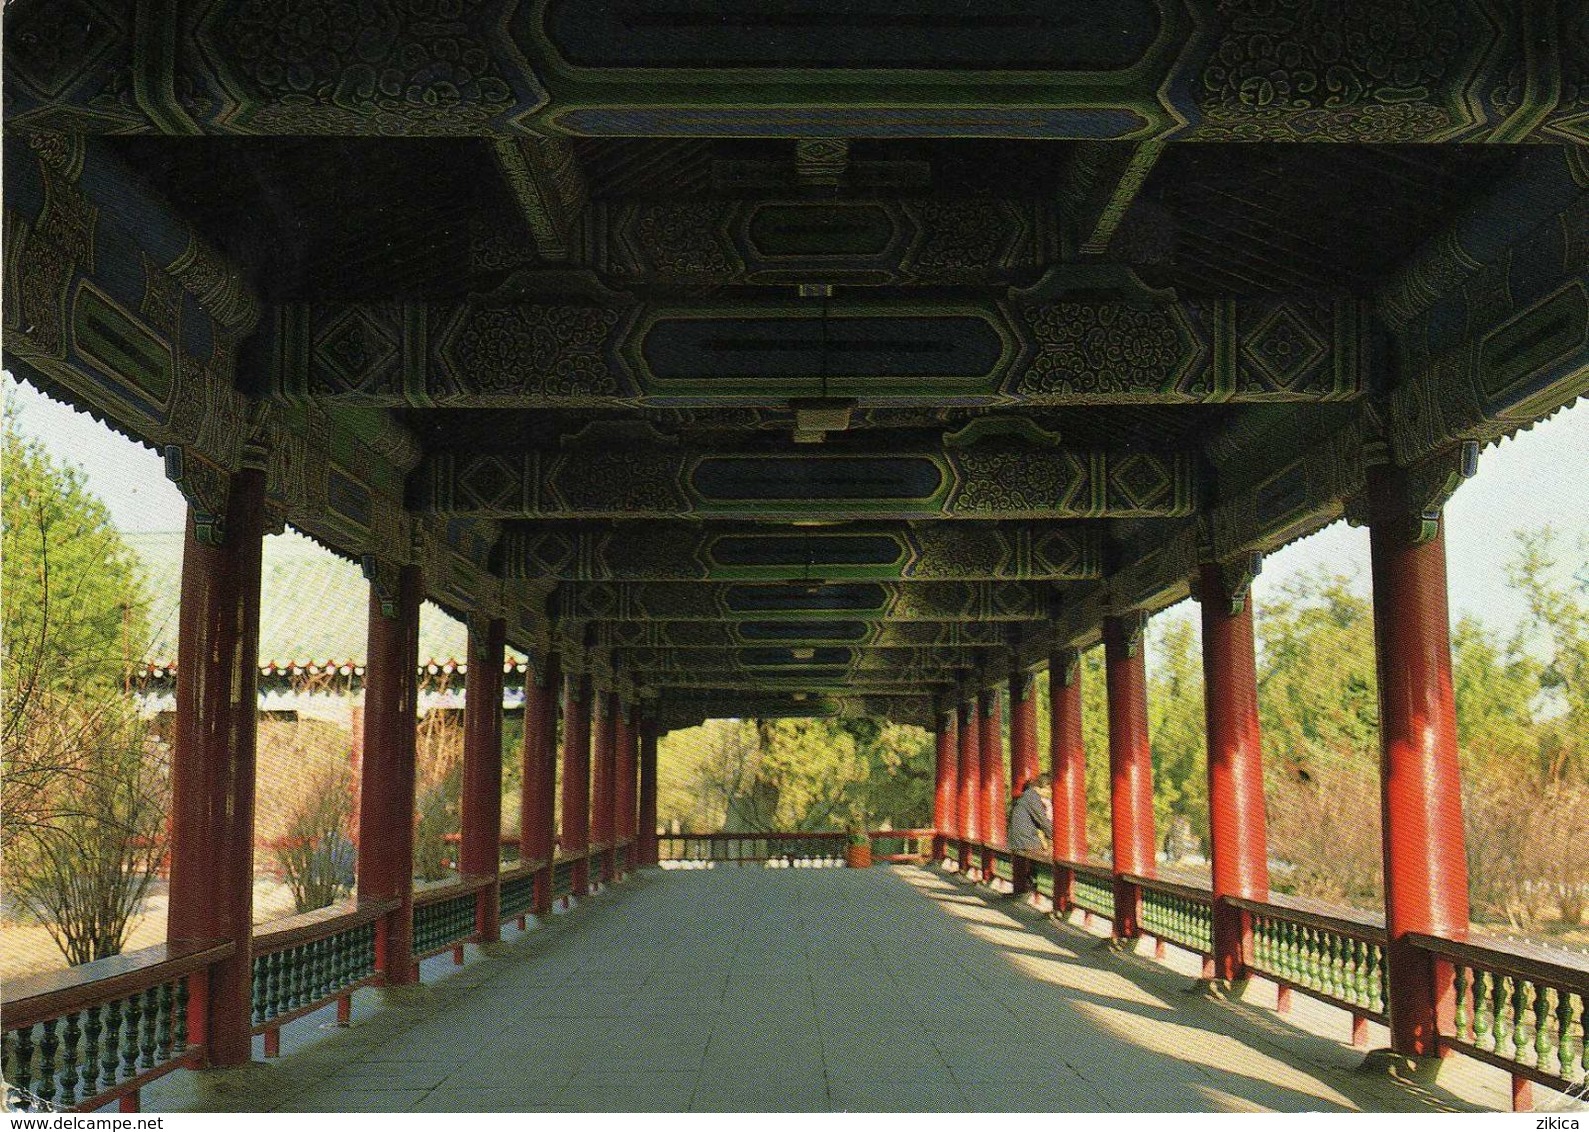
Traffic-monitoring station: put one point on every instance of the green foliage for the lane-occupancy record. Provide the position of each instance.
(84, 792)
(316, 855)
(795, 774)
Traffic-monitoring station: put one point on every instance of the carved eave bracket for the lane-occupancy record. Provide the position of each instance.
(1428, 485)
(1064, 666)
(206, 486)
(385, 578)
(1236, 576)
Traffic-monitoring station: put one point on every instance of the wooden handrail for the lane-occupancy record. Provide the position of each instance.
(1366, 926)
(1089, 869)
(1173, 888)
(1504, 956)
(463, 886)
(38, 998)
(321, 923)
(521, 869)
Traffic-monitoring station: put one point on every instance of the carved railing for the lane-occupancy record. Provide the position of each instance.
(1518, 1006)
(308, 961)
(447, 917)
(563, 870)
(1333, 954)
(1092, 888)
(1179, 913)
(516, 890)
(821, 847)
(81, 1038)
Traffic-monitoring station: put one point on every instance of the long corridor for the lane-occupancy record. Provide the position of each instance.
(749, 989)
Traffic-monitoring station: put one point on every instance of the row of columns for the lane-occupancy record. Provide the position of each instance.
(1424, 860)
(609, 792)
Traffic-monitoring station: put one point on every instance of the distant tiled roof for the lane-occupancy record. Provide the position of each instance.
(313, 604)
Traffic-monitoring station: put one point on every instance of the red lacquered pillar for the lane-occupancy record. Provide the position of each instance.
(603, 754)
(623, 806)
(480, 842)
(1426, 874)
(946, 784)
(1068, 763)
(576, 777)
(538, 783)
(648, 793)
(386, 790)
(1236, 826)
(991, 815)
(212, 765)
(1130, 769)
(970, 779)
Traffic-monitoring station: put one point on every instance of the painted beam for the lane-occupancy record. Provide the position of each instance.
(685, 551)
(801, 601)
(988, 470)
(120, 308)
(797, 634)
(1465, 71)
(780, 659)
(679, 708)
(907, 351)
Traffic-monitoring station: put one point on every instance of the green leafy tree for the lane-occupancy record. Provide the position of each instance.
(84, 790)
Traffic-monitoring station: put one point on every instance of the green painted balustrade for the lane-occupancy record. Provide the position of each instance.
(1177, 913)
(1519, 1006)
(307, 961)
(1093, 892)
(445, 918)
(563, 877)
(1334, 955)
(516, 893)
(80, 1038)
(1003, 865)
(823, 848)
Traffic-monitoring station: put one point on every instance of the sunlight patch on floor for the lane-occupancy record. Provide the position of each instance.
(1197, 1046)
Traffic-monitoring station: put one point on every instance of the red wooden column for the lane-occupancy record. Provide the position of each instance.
(647, 817)
(603, 754)
(990, 814)
(212, 766)
(623, 808)
(538, 783)
(1068, 762)
(946, 783)
(480, 842)
(386, 790)
(969, 830)
(1426, 874)
(1130, 768)
(1236, 826)
(576, 776)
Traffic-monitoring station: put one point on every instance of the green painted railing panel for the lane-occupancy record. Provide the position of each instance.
(1331, 964)
(67, 1061)
(315, 971)
(444, 924)
(1523, 1023)
(1094, 895)
(516, 896)
(1179, 919)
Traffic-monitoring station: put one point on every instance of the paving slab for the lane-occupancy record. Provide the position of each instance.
(891, 989)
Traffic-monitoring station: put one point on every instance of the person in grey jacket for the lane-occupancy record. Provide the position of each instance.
(1031, 819)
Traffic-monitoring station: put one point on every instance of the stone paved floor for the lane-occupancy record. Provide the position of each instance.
(747, 989)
